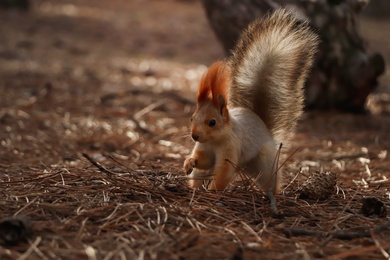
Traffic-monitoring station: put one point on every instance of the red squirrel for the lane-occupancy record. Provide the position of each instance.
(249, 103)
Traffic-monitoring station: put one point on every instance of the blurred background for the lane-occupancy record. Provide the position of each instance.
(81, 38)
(115, 75)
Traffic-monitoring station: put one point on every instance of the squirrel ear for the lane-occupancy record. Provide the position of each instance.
(222, 105)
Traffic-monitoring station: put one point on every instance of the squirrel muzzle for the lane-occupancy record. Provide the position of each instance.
(195, 137)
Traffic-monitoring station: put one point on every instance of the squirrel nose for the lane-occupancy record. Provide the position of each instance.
(195, 137)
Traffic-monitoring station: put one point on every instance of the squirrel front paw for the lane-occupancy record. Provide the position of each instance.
(190, 164)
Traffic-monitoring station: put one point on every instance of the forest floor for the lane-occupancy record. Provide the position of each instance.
(96, 98)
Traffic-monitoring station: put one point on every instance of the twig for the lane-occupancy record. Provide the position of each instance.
(342, 212)
(29, 180)
(25, 206)
(380, 247)
(121, 164)
(355, 252)
(291, 182)
(339, 234)
(30, 249)
(251, 231)
(149, 108)
(98, 165)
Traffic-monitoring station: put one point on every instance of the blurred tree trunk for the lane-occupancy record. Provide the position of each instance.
(15, 4)
(344, 73)
(378, 8)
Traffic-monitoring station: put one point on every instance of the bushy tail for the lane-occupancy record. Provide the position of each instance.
(269, 67)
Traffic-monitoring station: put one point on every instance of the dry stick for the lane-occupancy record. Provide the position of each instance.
(254, 207)
(342, 212)
(252, 232)
(149, 108)
(245, 178)
(328, 234)
(381, 249)
(30, 180)
(90, 252)
(355, 252)
(270, 193)
(291, 182)
(111, 221)
(82, 228)
(288, 158)
(98, 165)
(144, 111)
(121, 164)
(331, 236)
(289, 232)
(141, 188)
(277, 157)
(139, 126)
(111, 174)
(285, 161)
(339, 234)
(192, 197)
(30, 249)
(24, 207)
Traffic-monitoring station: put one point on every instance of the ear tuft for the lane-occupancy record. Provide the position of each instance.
(221, 103)
(214, 83)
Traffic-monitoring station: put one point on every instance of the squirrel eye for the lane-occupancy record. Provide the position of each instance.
(212, 122)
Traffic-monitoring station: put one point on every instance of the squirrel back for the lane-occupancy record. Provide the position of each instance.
(269, 66)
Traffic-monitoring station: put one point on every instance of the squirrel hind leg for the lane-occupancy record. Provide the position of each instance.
(263, 169)
(266, 177)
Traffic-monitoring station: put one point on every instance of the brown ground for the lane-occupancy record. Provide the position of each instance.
(115, 80)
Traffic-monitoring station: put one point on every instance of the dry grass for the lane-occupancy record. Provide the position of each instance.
(83, 212)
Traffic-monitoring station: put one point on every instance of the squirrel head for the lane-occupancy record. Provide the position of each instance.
(211, 118)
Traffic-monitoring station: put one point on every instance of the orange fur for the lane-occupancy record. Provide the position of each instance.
(216, 81)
